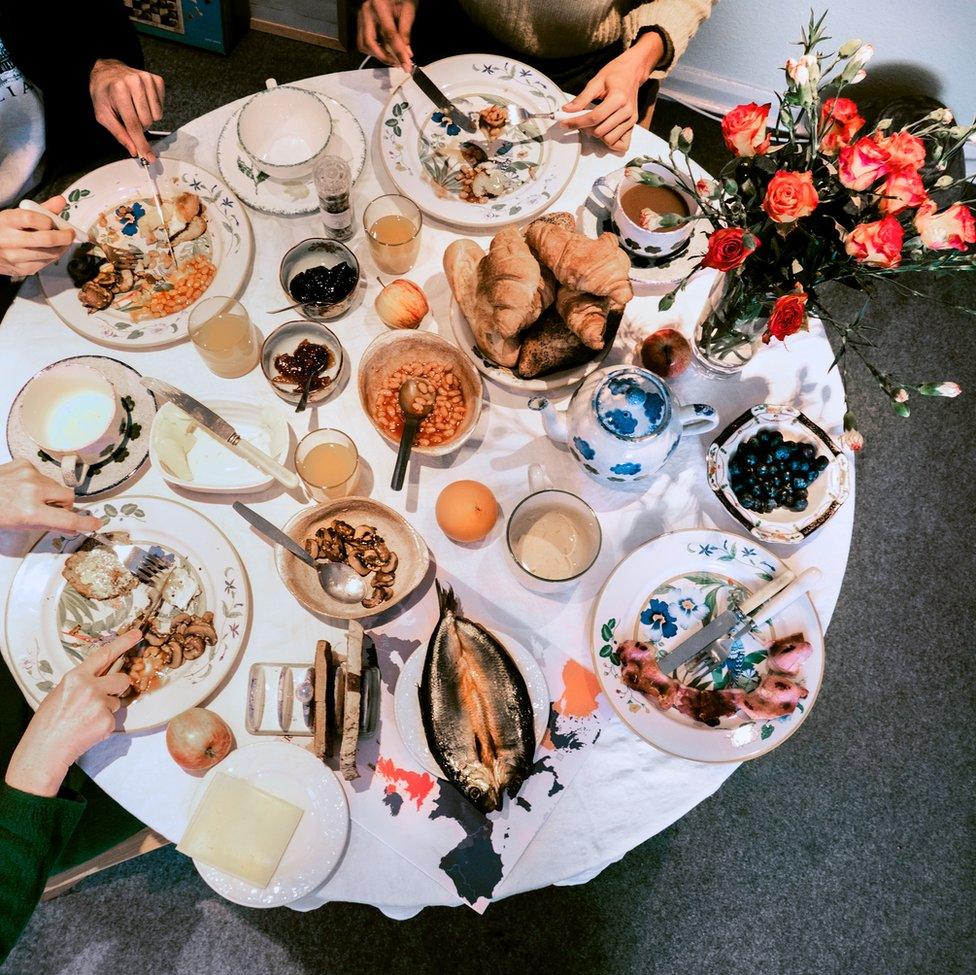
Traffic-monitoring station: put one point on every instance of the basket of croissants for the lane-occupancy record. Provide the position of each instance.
(543, 300)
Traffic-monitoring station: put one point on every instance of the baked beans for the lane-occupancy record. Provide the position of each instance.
(436, 381)
(189, 282)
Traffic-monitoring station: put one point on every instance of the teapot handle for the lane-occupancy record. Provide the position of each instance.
(697, 418)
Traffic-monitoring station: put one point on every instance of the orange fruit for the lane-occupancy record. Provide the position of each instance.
(466, 511)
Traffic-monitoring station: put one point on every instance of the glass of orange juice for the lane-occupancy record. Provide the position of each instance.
(225, 337)
(327, 461)
(393, 224)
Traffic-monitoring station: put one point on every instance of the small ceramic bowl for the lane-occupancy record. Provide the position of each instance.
(285, 338)
(826, 494)
(311, 253)
(389, 351)
(301, 580)
(284, 130)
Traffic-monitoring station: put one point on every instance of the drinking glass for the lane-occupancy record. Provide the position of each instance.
(326, 477)
(393, 224)
(224, 335)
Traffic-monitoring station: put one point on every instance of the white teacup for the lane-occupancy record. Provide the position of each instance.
(553, 535)
(649, 242)
(72, 412)
(284, 130)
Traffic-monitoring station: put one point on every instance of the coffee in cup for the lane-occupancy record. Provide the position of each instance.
(645, 195)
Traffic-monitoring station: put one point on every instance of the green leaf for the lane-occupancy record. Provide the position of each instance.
(606, 631)
(44, 685)
(111, 510)
(757, 657)
(615, 659)
(767, 730)
(128, 509)
(45, 667)
(74, 196)
(700, 578)
(666, 302)
(606, 651)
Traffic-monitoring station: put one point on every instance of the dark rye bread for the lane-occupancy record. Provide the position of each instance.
(549, 346)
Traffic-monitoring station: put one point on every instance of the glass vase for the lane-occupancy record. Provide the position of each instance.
(730, 332)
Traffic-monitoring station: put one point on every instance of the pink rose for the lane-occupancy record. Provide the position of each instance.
(839, 122)
(744, 129)
(878, 243)
(904, 149)
(902, 189)
(790, 196)
(954, 228)
(862, 164)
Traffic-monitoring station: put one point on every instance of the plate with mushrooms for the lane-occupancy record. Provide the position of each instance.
(71, 593)
(373, 539)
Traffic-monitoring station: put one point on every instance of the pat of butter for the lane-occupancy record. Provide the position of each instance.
(240, 829)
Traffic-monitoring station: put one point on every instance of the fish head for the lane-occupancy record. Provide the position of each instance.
(476, 783)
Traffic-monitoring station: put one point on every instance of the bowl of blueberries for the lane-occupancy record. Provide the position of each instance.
(778, 473)
(322, 276)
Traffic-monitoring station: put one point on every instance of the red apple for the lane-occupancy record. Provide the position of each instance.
(666, 353)
(198, 739)
(401, 304)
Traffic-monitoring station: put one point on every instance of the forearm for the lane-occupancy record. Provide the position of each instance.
(33, 831)
(677, 20)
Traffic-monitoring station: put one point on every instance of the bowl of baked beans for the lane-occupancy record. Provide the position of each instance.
(445, 377)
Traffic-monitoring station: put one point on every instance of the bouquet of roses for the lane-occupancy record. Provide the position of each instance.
(813, 197)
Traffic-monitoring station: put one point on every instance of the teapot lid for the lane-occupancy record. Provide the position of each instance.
(632, 403)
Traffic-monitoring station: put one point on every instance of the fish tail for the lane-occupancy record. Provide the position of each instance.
(447, 601)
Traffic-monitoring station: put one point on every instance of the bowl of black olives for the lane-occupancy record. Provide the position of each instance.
(321, 276)
(778, 473)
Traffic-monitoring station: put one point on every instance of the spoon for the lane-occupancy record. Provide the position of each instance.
(307, 391)
(415, 407)
(338, 580)
(278, 311)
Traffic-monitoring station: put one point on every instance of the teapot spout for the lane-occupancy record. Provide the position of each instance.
(553, 421)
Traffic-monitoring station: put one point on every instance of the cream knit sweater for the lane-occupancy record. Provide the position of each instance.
(566, 28)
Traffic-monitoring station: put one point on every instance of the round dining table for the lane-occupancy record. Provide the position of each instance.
(626, 790)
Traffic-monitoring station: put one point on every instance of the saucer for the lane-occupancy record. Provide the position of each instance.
(647, 272)
(297, 196)
(139, 408)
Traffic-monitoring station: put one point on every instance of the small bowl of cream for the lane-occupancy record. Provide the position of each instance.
(191, 457)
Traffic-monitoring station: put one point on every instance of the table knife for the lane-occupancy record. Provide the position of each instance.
(441, 101)
(286, 698)
(222, 430)
(163, 223)
(732, 622)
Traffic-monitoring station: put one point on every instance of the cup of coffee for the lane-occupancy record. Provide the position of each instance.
(644, 195)
(73, 413)
(553, 535)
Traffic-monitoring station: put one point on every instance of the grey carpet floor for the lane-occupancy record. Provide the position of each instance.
(849, 850)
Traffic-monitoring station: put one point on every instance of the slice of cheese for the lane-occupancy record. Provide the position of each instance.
(240, 829)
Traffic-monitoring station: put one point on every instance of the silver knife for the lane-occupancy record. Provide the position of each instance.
(222, 430)
(164, 225)
(286, 698)
(441, 101)
(730, 624)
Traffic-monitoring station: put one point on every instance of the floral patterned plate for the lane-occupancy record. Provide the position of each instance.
(421, 149)
(42, 608)
(665, 591)
(228, 237)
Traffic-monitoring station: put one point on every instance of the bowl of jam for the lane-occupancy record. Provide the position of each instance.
(297, 350)
(322, 275)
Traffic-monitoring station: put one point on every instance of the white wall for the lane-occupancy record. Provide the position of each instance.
(926, 44)
(317, 16)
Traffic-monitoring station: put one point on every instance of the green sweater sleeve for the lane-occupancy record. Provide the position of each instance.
(33, 829)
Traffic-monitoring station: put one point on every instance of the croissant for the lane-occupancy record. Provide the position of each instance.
(461, 261)
(599, 266)
(585, 314)
(510, 280)
(561, 218)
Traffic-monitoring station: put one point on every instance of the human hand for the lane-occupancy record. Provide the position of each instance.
(30, 241)
(383, 30)
(127, 101)
(75, 715)
(28, 499)
(616, 85)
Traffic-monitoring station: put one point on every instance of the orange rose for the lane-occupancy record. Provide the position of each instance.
(727, 248)
(904, 149)
(788, 317)
(839, 122)
(954, 228)
(902, 189)
(744, 129)
(878, 243)
(862, 164)
(790, 196)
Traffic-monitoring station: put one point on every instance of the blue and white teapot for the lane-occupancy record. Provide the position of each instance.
(623, 423)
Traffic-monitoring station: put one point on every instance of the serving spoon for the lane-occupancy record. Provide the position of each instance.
(339, 580)
(415, 407)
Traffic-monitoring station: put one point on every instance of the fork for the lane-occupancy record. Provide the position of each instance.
(517, 115)
(145, 566)
(717, 653)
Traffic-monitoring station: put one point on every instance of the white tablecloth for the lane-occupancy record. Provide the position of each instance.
(595, 823)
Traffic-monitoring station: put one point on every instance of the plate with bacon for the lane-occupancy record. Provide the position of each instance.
(661, 594)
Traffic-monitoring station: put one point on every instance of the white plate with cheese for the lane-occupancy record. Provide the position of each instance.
(192, 458)
(268, 825)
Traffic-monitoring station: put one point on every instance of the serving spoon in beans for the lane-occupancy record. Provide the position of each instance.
(415, 405)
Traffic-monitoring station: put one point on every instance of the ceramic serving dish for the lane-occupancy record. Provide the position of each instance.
(389, 351)
(311, 253)
(826, 494)
(302, 581)
(285, 339)
(189, 457)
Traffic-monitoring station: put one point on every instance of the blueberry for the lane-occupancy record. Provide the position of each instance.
(775, 437)
(735, 466)
(776, 481)
(821, 463)
(804, 466)
(768, 506)
(763, 470)
(782, 452)
(747, 500)
(799, 504)
(807, 451)
(794, 464)
(762, 437)
(799, 483)
(786, 499)
(750, 459)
